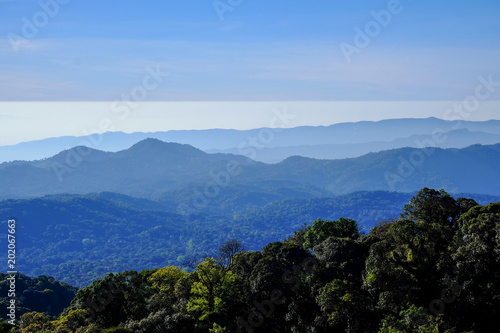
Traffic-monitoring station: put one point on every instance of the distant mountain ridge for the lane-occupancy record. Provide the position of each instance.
(156, 169)
(324, 142)
(460, 138)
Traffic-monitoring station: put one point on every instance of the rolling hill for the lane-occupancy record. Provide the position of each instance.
(79, 238)
(154, 169)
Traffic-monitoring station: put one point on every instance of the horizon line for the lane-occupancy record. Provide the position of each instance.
(244, 130)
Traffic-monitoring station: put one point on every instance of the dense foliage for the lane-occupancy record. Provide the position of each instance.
(79, 239)
(434, 269)
(41, 294)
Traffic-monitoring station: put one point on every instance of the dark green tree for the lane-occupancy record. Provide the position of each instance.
(114, 299)
(321, 230)
(432, 206)
(477, 258)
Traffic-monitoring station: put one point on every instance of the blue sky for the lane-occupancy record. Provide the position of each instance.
(122, 52)
(263, 50)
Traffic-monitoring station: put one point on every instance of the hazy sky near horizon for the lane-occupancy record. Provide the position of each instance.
(55, 50)
(27, 121)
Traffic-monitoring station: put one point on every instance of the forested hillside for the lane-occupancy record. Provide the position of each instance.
(42, 294)
(434, 269)
(78, 239)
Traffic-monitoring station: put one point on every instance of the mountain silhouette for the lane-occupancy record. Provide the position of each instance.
(152, 168)
(336, 141)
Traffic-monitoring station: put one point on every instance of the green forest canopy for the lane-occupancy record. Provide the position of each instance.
(434, 269)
